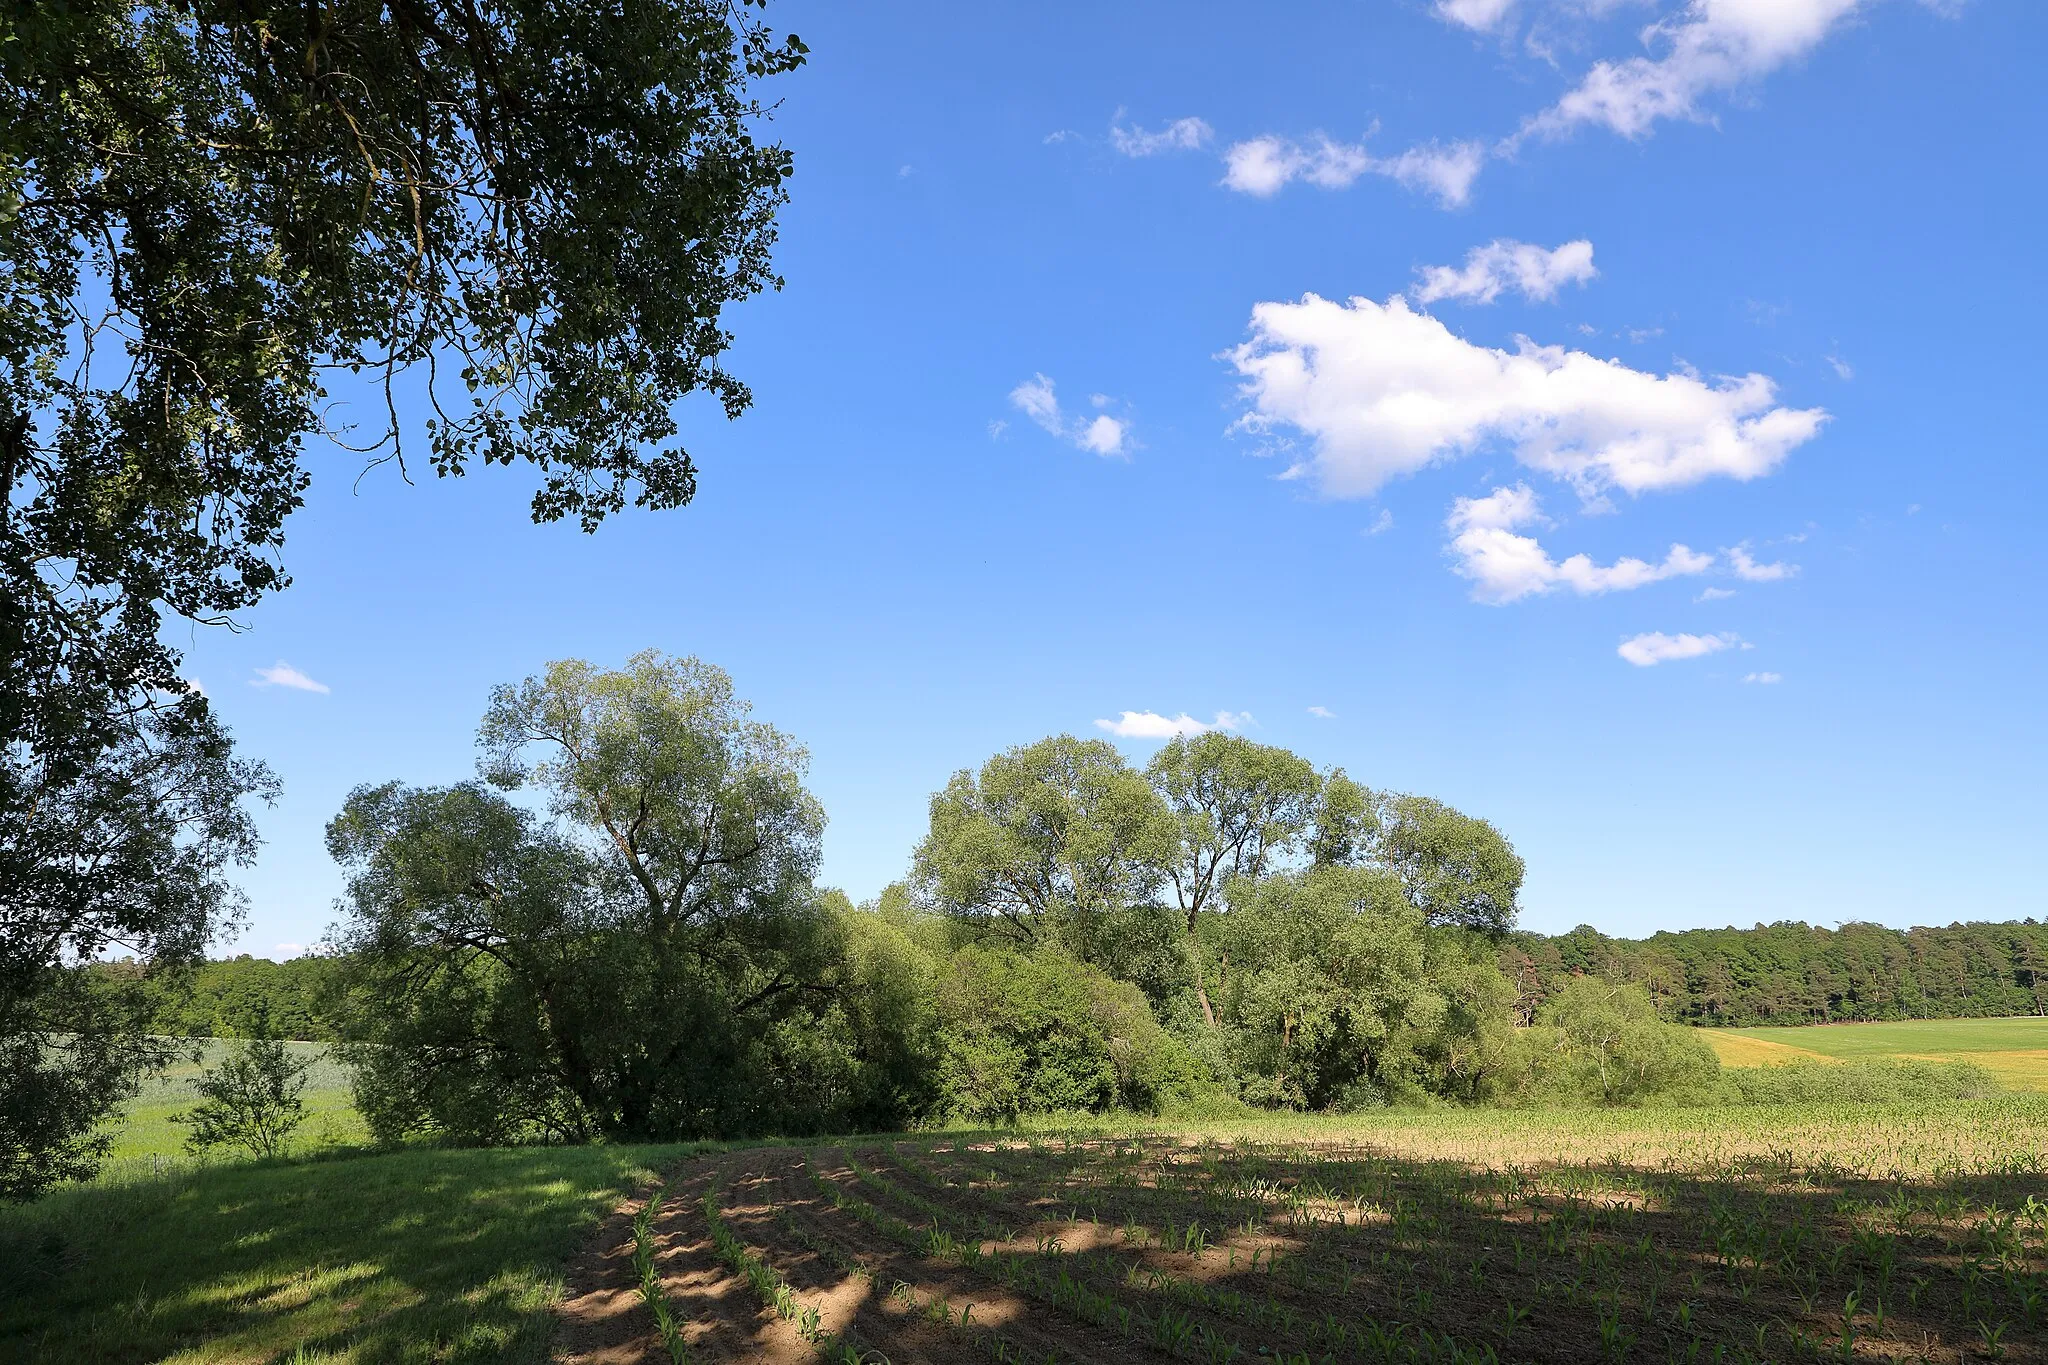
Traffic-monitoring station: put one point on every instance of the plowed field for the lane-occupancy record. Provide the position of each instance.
(1162, 1249)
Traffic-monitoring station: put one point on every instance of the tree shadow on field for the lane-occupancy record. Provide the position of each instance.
(442, 1255)
(1348, 1253)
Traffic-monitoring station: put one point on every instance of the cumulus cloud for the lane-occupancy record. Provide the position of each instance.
(1765, 678)
(1101, 434)
(1481, 16)
(1708, 47)
(1505, 567)
(1322, 713)
(1750, 571)
(1382, 390)
(1531, 271)
(1152, 725)
(1181, 135)
(1648, 650)
(282, 674)
(1263, 166)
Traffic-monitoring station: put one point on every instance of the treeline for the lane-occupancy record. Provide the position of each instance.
(1792, 973)
(639, 949)
(239, 997)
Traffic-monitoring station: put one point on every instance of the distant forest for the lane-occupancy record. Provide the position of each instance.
(1791, 973)
(1777, 974)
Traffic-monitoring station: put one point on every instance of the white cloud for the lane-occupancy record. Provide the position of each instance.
(1384, 391)
(1645, 651)
(996, 429)
(1531, 271)
(1264, 165)
(1481, 16)
(1102, 434)
(1181, 135)
(1750, 571)
(282, 674)
(1383, 522)
(1714, 594)
(1445, 170)
(1712, 45)
(1505, 567)
(1842, 368)
(1152, 725)
(1765, 678)
(1322, 713)
(286, 951)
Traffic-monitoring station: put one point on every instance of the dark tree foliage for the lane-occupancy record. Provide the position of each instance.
(127, 855)
(537, 211)
(1793, 973)
(527, 217)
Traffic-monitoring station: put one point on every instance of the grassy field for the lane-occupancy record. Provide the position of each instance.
(2013, 1050)
(421, 1256)
(146, 1139)
(1536, 1235)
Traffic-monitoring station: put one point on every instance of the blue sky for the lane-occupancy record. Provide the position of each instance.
(1668, 495)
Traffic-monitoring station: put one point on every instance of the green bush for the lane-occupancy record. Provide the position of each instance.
(1595, 1042)
(252, 1102)
(1032, 1033)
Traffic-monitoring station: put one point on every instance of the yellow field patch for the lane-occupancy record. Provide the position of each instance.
(1734, 1049)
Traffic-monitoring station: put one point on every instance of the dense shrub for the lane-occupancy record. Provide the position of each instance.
(1601, 1043)
(1031, 1033)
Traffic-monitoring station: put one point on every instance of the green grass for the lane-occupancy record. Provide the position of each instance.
(146, 1138)
(1908, 1037)
(2013, 1050)
(443, 1256)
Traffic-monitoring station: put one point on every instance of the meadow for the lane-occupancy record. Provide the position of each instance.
(1907, 1233)
(148, 1139)
(2015, 1050)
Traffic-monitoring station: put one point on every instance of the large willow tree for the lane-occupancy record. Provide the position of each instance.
(519, 221)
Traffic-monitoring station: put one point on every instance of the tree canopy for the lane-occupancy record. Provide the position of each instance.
(645, 964)
(226, 229)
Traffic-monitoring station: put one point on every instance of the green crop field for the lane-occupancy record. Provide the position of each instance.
(2013, 1050)
(1746, 1234)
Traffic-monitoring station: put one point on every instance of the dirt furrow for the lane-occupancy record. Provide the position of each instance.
(604, 1321)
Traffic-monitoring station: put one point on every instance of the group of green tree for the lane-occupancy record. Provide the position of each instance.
(1787, 973)
(615, 932)
(1792, 973)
